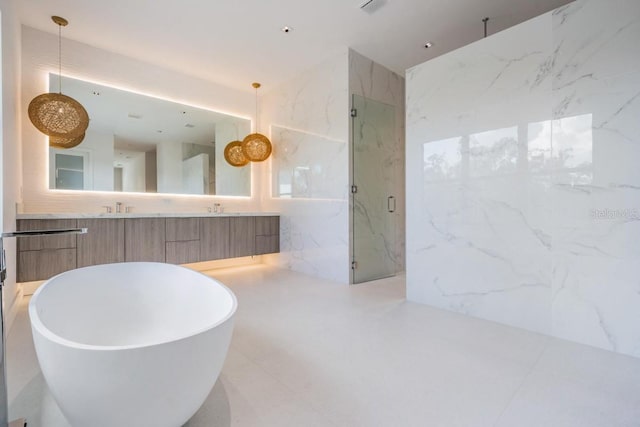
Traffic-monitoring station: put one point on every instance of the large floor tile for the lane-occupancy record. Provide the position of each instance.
(310, 352)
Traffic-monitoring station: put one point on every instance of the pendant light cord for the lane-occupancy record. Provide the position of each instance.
(60, 58)
(257, 111)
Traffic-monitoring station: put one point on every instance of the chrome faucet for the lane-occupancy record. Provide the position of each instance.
(108, 208)
(118, 207)
(217, 208)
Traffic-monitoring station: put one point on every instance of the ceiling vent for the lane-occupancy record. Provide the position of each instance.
(371, 6)
(134, 116)
(189, 125)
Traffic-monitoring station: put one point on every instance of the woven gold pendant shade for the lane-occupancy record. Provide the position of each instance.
(58, 115)
(61, 117)
(234, 155)
(256, 147)
(57, 142)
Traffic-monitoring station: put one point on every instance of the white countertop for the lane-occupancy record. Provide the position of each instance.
(141, 215)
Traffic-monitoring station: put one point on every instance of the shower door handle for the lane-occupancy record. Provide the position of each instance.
(391, 204)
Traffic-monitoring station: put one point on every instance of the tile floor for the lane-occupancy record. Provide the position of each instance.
(307, 352)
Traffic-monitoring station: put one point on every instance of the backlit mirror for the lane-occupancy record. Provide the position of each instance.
(138, 143)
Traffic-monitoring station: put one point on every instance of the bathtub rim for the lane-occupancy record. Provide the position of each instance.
(39, 326)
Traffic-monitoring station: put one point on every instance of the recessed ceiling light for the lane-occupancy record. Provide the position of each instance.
(286, 29)
(427, 45)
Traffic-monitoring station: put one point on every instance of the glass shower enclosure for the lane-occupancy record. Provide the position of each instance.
(373, 185)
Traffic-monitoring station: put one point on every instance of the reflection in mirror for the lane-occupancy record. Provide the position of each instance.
(138, 143)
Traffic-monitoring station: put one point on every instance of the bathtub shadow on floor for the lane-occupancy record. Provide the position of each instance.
(35, 403)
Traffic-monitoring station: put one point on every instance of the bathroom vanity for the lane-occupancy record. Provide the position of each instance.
(170, 238)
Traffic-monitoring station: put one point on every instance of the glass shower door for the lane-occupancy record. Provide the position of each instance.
(373, 201)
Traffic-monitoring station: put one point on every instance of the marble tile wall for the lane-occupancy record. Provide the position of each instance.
(596, 111)
(522, 183)
(307, 178)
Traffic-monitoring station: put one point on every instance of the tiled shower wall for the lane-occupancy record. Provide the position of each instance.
(308, 180)
(523, 191)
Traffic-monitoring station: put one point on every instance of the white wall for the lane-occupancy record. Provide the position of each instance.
(195, 174)
(134, 173)
(312, 112)
(98, 147)
(169, 161)
(10, 146)
(40, 56)
(522, 177)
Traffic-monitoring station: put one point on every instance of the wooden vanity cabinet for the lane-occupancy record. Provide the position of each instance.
(144, 239)
(181, 240)
(44, 257)
(267, 236)
(242, 232)
(214, 238)
(103, 244)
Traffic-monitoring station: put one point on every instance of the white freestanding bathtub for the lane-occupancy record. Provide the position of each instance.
(131, 344)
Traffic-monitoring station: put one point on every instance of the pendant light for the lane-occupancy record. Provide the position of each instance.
(256, 147)
(56, 142)
(60, 117)
(234, 155)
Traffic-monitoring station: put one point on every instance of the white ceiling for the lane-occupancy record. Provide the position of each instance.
(236, 42)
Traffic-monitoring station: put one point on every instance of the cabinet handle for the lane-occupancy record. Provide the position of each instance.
(391, 204)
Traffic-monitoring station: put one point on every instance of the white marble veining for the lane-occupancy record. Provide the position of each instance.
(596, 265)
(522, 180)
(478, 237)
(143, 215)
(309, 123)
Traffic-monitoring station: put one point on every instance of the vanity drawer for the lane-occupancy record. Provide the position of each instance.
(103, 243)
(214, 238)
(267, 244)
(46, 242)
(144, 239)
(267, 225)
(183, 229)
(242, 233)
(44, 264)
(267, 239)
(183, 252)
